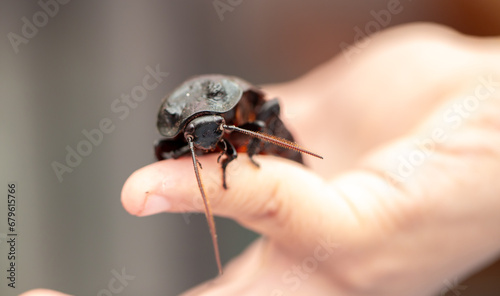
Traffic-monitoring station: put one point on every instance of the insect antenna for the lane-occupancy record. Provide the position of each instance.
(272, 139)
(208, 209)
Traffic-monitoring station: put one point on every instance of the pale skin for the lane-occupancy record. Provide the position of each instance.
(380, 215)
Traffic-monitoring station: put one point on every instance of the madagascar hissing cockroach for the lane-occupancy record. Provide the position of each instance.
(202, 115)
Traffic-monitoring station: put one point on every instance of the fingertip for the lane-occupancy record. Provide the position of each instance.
(133, 194)
(154, 204)
(164, 186)
(43, 292)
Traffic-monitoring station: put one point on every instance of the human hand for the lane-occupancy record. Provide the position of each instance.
(380, 215)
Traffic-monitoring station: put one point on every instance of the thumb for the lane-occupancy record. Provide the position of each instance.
(281, 199)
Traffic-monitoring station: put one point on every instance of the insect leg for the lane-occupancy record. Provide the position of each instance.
(231, 154)
(254, 146)
(265, 120)
(269, 113)
(270, 109)
(167, 149)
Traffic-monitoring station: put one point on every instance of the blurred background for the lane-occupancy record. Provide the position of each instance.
(64, 67)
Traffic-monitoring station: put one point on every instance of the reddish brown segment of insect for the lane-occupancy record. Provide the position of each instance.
(206, 202)
(272, 139)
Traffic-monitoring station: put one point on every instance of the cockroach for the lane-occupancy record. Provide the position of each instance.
(225, 114)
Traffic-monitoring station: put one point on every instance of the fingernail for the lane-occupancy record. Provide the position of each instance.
(155, 204)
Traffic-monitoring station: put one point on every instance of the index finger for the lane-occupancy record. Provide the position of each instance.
(280, 199)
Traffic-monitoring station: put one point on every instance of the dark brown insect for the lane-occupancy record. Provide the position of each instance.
(201, 116)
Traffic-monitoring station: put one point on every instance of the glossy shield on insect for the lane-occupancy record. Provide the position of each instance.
(224, 114)
(197, 96)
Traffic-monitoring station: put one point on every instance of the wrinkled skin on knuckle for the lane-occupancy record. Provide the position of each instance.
(269, 205)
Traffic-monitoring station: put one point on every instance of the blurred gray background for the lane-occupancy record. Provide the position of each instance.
(74, 235)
